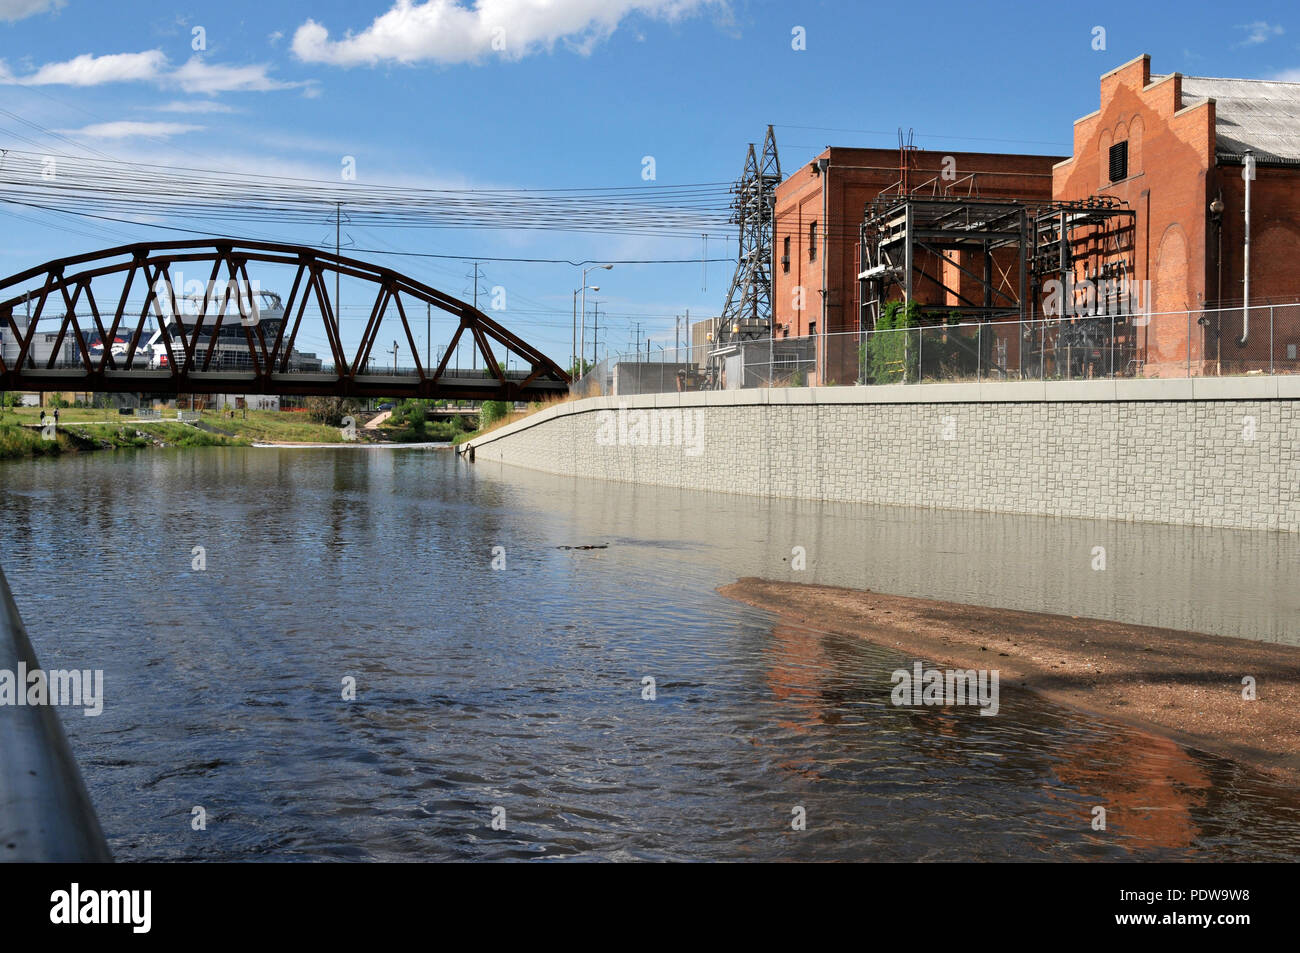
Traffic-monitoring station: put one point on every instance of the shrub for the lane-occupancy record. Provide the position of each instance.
(887, 356)
(491, 411)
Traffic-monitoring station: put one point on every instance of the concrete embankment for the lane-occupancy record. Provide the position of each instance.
(45, 813)
(1219, 452)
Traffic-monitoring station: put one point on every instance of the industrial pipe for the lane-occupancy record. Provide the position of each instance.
(45, 813)
(1247, 173)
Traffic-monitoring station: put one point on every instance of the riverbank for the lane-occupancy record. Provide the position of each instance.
(20, 442)
(82, 430)
(1183, 685)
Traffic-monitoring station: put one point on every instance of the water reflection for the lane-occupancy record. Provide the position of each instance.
(522, 689)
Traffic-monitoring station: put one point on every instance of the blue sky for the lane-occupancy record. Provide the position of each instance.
(584, 89)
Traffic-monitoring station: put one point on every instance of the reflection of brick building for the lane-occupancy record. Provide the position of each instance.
(1170, 146)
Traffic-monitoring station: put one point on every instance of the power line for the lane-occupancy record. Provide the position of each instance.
(378, 251)
(91, 185)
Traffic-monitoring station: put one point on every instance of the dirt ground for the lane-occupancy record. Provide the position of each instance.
(1183, 685)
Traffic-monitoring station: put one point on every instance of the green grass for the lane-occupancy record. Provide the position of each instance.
(67, 415)
(262, 426)
(275, 426)
(83, 429)
(434, 431)
(19, 441)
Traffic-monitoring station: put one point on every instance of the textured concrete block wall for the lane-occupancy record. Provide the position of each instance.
(1207, 452)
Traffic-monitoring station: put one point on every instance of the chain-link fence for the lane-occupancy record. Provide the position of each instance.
(1211, 342)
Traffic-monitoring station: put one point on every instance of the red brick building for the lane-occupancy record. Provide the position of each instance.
(819, 212)
(815, 232)
(1172, 147)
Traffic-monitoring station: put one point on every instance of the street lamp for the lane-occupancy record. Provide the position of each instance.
(582, 340)
(573, 356)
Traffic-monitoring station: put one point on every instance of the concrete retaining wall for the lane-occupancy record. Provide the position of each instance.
(1202, 451)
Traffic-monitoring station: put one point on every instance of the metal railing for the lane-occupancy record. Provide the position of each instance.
(45, 813)
(1180, 344)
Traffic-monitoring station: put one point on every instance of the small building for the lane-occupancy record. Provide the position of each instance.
(44, 344)
(237, 401)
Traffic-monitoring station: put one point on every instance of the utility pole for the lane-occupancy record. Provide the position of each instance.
(428, 327)
(595, 334)
(473, 353)
(338, 245)
(394, 353)
(638, 342)
(582, 335)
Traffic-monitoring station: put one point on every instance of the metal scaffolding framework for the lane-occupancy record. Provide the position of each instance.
(938, 240)
(983, 259)
(908, 240)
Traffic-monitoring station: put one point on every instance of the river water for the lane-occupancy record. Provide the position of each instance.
(515, 694)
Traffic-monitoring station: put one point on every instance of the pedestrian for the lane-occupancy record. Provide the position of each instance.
(56, 416)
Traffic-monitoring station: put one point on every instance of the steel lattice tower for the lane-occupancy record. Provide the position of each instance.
(748, 312)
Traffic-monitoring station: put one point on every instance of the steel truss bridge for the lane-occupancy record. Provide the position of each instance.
(61, 294)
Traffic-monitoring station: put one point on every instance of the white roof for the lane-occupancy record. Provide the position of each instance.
(1257, 114)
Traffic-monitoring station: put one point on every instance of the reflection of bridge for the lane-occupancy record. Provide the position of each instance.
(61, 294)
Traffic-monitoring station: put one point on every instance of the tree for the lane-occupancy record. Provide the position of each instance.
(330, 410)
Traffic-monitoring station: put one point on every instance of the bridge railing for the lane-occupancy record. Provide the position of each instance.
(45, 813)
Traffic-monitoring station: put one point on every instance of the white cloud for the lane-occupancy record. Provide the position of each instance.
(1287, 76)
(198, 76)
(12, 10)
(444, 31)
(91, 70)
(125, 129)
(193, 106)
(1259, 32)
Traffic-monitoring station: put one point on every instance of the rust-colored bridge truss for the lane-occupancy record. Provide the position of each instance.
(61, 293)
